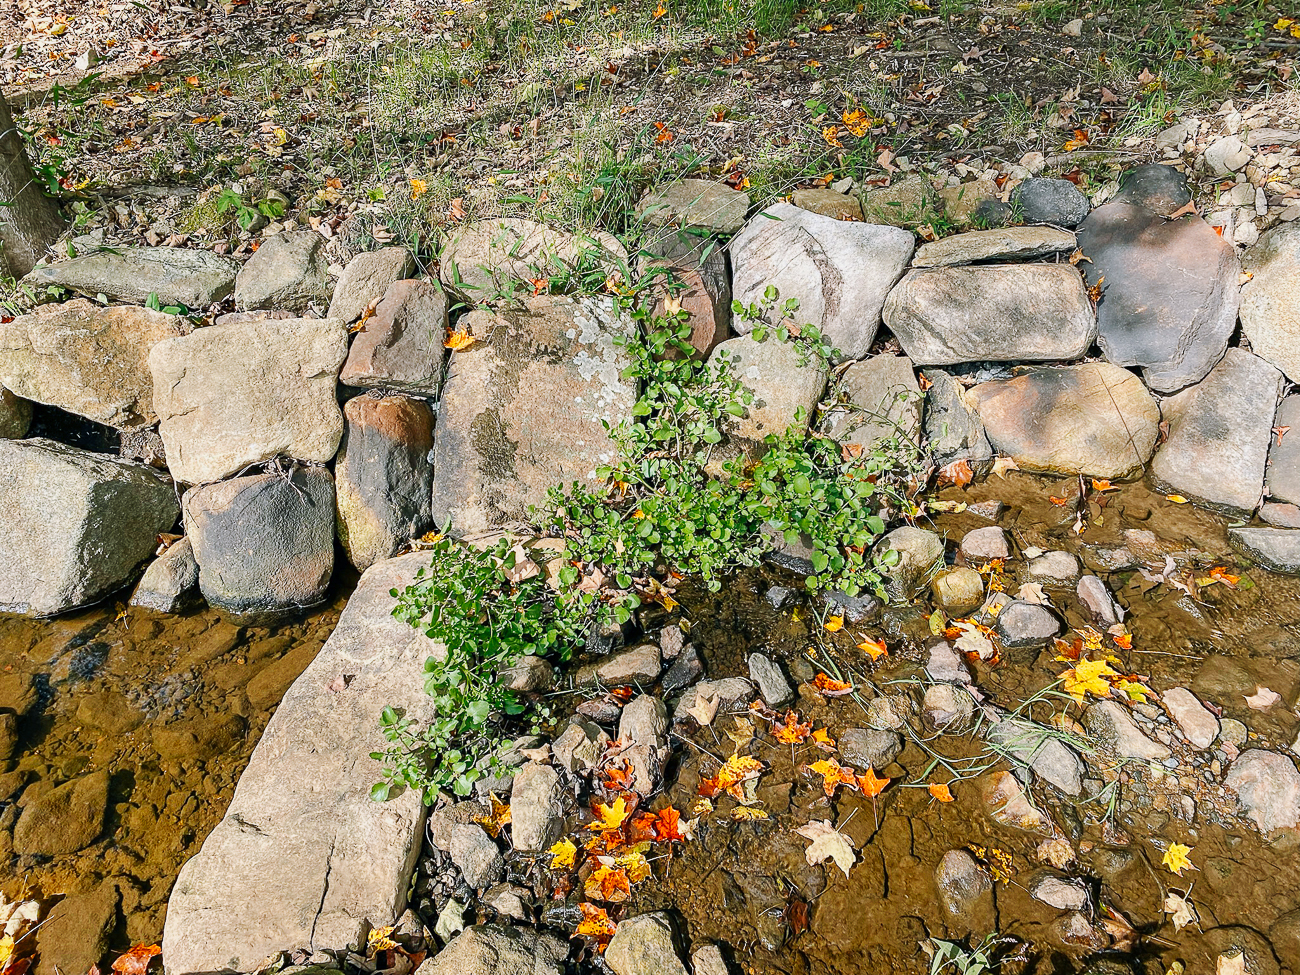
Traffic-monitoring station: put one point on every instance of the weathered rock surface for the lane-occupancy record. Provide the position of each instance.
(304, 857)
(828, 203)
(193, 278)
(75, 935)
(401, 346)
(920, 554)
(772, 686)
(495, 949)
(230, 396)
(999, 312)
(958, 590)
(477, 857)
(1197, 723)
(1219, 433)
(288, 272)
(1096, 598)
(1051, 201)
(76, 525)
(522, 409)
(781, 384)
(1006, 244)
(65, 819)
(643, 945)
(1269, 300)
(1160, 189)
(1276, 549)
(1268, 787)
(170, 581)
(883, 402)
(1055, 568)
(948, 705)
(643, 727)
(86, 359)
(872, 748)
(839, 272)
(909, 202)
(692, 271)
(1093, 419)
(505, 255)
(1169, 298)
(383, 477)
(974, 204)
(983, 544)
(953, 427)
(366, 278)
(1283, 472)
(1062, 893)
(1026, 626)
(264, 544)
(536, 816)
(1110, 722)
(965, 891)
(15, 415)
(1008, 804)
(698, 203)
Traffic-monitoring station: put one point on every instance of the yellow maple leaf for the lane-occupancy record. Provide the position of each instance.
(611, 816)
(563, 855)
(823, 738)
(1176, 860)
(1088, 677)
(418, 188)
(748, 813)
(634, 864)
(379, 940)
(834, 624)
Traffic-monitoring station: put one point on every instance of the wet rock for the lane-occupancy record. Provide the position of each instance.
(522, 409)
(264, 544)
(1023, 625)
(882, 402)
(281, 866)
(1268, 789)
(509, 901)
(1051, 201)
(289, 271)
(772, 686)
(1111, 723)
(1169, 299)
(643, 727)
(535, 811)
(861, 608)
(920, 554)
(401, 346)
(109, 711)
(828, 203)
(1280, 515)
(504, 255)
(383, 476)
(496, 949)
(193, 278)
(77, 524)
(1002, 312)
(640, 665)
(643, 945)
(958, 591)
(86, 359)
(580, 747)
(987, 510)
(366, 278)
(1039, 749)
(1008, 804)
(1062, 893)
(1231, 940)
(1284, 934)
(8, 735)
(909, 202)
(697, 203)
(1160, 189)
(946, 705)
(1093, 419)
(953, 427)
(707, 959)
(686, 670)
(944, 665)
(1268, 299)
(1276, 549)
(75, 935)
(1008, 244)
(974, 204)
(985, 544)
(1096, 598)
(1198, 725)
(1283, 472)
(202, 737)
(730, 692)
(476, 856)
(839, 272)
(965, 891)
(65, 819)
(883, 714)
(15, 415)
(1076, 930)
(869, 747)
(1219, 432)
(782, 385)
(170, 581)
(1054, 569)
(230, 396)
(699, 269)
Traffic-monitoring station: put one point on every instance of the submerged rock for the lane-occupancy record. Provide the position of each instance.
(959, 590)
(1110, 722)
(1268, 788)
(1025, 626)
(772, 686)
(965, 891)
(1197, 723)
(65, 819)
(1038, 748)
(869, 747)
(193, 278)
(1054, 569)
(1276, 549)
(75, 936)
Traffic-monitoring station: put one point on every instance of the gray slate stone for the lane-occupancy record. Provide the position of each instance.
(1219, 432)
(264, 543)
(230, 396)
(883, 402)
(288, 272)
(1051, 201)
(1026, 626)
(1038, 749)
(1280, 515)
(1268, 788)
(640, 665)
(643, 945)
(698, 203)
(1276, 549)
(1110, 722)
(401, 346)
(944, 665)
(15, 415)
(366, 278)
(1169, 299)
(477, 857)
(998, 312)
(536, 815)
(1160, 189)
(1006, 244)
(952, 426)
(169, 583)
(840, 272)
(193, 278)
(869, 747)
(781, 384)
(770, 681)
(495, 949)
(1282, 479)
(76, 525)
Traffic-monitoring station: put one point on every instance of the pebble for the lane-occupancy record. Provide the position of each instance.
(772, 686)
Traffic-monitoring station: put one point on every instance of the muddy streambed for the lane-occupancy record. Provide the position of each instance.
(172, 707)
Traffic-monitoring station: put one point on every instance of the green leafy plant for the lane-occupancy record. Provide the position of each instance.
(985, 958)
(246, 213)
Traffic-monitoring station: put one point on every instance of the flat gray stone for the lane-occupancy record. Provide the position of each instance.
(401, 345)
(366, 278)
(1268, 788)
(1280, 515)
(998, 312)
(1096, 598)
(287, 273)
(1005, 244)
(170, 580)
(477, 857)
(1276, 549)
(303, 856)
(640, 665)
(77, 525)
(944, 665)
(495, 949)
(781, 384)
(881, 400)
(1024, 626)
(1219, 434)
(1269, 299)
(193, 278)
(1110, 722)
(1054, 569)
(984, 544)
(501, 257)
(1197, 723)
(698, 203)
(770, 681)
(1282, 477)
(230, 396)
(952, 426)
(1038, 749)
(838, 271)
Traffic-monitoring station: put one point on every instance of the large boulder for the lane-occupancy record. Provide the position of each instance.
(15, 415)
(401, 345)
(953, 429)
(384, 476)
(365, 280)
(265, 543)
(1093, 418)
(499, 949)
(1219, 432)
(193, 278)
(838, 271)
(880, 400)
(692, 273)
(77, 525)
(1283, 472)
(289, 272)
(303, 856)
(1269, 300)
(1002, 312)
(1006, 244)
(502, 257)
(86, 359)
(697, 203)
(524, 409)
(1168, 292)
(782, 380)
(230, 396)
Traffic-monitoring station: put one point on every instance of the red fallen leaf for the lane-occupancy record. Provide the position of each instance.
(958, 473)
(796, 916)
(137, 960)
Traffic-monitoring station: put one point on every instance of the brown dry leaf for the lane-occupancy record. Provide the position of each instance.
(1179, 906)
(705, 709)
(957, 473)
(828, 843)
(1003, 464)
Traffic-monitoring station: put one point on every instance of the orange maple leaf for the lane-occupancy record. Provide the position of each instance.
(459, 340)
(829, 687)
(596, 924)
(737, 770)
(791, 732)
(940, 791)
(822, 739)
(137, 960)
(875, 649)
(871, 784)
(833, 775)
(608, 883)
